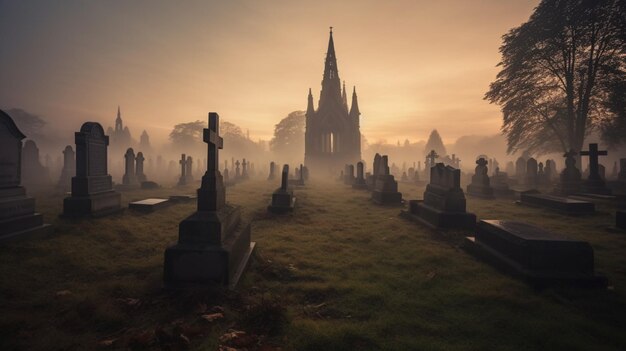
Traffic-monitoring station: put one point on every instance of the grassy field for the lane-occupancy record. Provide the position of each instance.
(340, 273)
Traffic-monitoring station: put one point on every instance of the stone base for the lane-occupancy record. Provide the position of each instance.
(194, 265)
(620, 220)
(282, 201)
(96, 205)
(560, 204)
(279, 209)
(484, 192)
(149, 205)
(438, 219)
(387, 198)
(536, 255)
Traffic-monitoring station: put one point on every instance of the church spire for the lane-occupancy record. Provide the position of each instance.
(331, 85)
(310, 109)
(118, 120)
(354, 109)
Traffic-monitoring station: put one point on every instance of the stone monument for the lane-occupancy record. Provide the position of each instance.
(570, 179)
(595, 183)
(386, 188)
(183, 170)
(359, 182)
(141, 177)
(129, 179)
(480, 186)
(282, 199)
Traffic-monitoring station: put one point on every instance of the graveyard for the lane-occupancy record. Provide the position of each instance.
(461, 185)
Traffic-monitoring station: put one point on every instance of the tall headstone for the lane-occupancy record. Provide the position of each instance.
(272, 174)
(594, 184)
(129, 178)
(570, 180)
(189, 173)
(520, 170)
(359, 182)
(18, 218)
(34, 174)
(237, 171)
(68, 171)
(371, 180)
(532, 170)
(244, 169)
(183, 170)
(386, 188)
(282, 199)
(480, 185)
(92, 187)
(141, 177)
(213, 243)
(444, 203)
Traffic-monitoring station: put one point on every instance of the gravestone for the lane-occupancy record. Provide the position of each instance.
(18, 218)
(237, 171)
(510, 168)
(538, 256)
(141, 177)
(520, 170)
(532, 169)
(549, 171)
(500, 184)
(129, 179)
(594, 183)
(444, 204)
(272, 175)
(386, 188)
(213, 243)
(189, 173)
(183, 170)
(430, 162)
(244, 170)
(34, 174)
(359, 182)
(480, 186)
(349, 175)
(570, 179)
(557, 203)
(283, 200)
(371, 180)
(149, 205)
(68, 171)
(92, 187)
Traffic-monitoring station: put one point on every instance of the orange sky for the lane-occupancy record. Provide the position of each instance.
(417, 65)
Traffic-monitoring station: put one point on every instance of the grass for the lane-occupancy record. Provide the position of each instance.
(340, 273)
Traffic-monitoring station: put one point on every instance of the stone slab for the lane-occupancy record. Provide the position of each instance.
(149, 205)
(618, 201)
(538, 256)
(434, 218)
(560, 204)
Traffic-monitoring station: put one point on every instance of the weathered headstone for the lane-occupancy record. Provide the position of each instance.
(141, 177)
(371, 180)
(282, 199)
(531, 173)
(18, 218)
(444, 203)
(539, 256)
(520, 170)
(129, 178)
(34, 174)
(213, 243)
(189, 173)
(272, 174)
(237, 171)
(68, 171)
(244, 170)
(92, 189)
(594, 184)
(359, 182)
(183, 170)
(570, 178)
(480, 185)
(386, 188)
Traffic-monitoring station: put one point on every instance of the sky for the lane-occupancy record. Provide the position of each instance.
(417, 65)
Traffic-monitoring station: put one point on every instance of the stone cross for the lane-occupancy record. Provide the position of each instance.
(244, 169)
(211, 195)
(183, 166)
(431, 157)
(593, 154)
(481, 162)
(285, 178)
(237, 169)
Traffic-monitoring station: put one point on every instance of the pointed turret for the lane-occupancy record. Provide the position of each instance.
(354, 109)
(118, 120)
(310, 109)
(331, 85)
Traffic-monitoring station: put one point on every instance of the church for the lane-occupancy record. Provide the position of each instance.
(332, 137)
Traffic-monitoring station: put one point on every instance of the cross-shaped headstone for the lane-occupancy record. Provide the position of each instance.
(432, 155)
(215, 142)
(237, 164)
(183, 164)
(593, 154)
(481, 162)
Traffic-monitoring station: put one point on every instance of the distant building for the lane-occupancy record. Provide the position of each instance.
(119, 138)
(332, 137)
(144, 142)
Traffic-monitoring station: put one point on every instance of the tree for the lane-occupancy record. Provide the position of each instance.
(187, 135)
(556, 69)
(435, 143)
(288, 140)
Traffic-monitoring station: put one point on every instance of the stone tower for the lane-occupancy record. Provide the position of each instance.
(332, 137)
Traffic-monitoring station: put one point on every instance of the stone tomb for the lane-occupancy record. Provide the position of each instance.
(444, 205)
(214, 242)
(18, 218)
(557, 203)
(359, 182)
(480, 181)
(282, 199)
(92, 189)
(149, 205)
(539, 256)
(385, 187)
